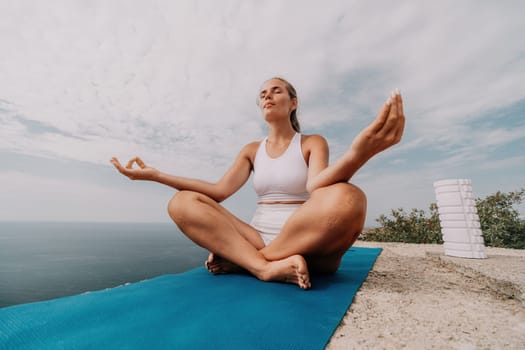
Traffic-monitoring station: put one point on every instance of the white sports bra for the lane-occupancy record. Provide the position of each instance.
(283, 178)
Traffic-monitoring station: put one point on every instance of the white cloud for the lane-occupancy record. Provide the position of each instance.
(175, 82)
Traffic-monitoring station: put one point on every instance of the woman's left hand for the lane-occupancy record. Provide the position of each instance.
(385, 131)
(143, 172)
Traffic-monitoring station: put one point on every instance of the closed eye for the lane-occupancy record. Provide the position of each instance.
(274, 89)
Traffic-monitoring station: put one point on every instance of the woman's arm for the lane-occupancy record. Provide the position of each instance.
(230, 182)
(385, 131)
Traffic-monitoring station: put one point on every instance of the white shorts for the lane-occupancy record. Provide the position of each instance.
(269, 219)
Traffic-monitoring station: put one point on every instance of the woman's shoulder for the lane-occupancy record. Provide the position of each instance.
(252, 146)
(313, 140)
(250, 149)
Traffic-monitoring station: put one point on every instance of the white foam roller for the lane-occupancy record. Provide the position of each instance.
(460, 224)
(459, 235)
(476, 232)
(458, 217)
(466, 188)
(476, 247)
(465, 254)
(459, 232)
(453, 188)
(453, 196)
(462, 239)
(458, 209)
(454, 202)
(446, 189)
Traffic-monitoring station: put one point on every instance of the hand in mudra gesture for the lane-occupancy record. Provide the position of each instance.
(143, 172)
(385, 131)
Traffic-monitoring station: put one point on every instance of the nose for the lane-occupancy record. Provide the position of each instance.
(264, 98)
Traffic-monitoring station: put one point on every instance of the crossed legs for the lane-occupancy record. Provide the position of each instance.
(315, 237)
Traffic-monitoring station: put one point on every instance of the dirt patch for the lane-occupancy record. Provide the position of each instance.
(416, 300)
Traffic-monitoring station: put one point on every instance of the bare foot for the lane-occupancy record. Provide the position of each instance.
(218, 265)
(290, 270)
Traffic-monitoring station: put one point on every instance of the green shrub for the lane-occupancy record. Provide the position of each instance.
(412, 227)
(500, 223)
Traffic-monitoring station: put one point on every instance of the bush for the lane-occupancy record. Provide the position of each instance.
(500, 223)
(412, 227)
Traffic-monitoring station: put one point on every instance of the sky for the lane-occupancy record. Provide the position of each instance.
(175, 82)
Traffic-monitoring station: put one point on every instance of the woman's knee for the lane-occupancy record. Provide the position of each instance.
(180, 205)
(344, 198)
(343, 210)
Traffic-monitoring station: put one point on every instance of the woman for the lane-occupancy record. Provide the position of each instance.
(308, 215)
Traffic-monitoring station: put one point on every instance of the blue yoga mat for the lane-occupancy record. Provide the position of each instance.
(192, 310)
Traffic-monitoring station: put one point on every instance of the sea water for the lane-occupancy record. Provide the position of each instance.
(44, 260)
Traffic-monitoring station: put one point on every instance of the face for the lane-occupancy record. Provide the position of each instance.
(275, 101)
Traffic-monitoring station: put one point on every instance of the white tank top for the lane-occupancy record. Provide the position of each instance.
(282, 178)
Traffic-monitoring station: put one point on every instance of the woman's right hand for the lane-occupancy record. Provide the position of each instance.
(384, 132)
(143, 172)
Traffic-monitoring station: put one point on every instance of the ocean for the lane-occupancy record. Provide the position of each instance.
(45, 260)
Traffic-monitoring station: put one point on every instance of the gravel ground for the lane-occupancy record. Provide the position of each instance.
(415, 297)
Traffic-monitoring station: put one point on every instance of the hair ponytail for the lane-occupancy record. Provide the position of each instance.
(295, 121)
